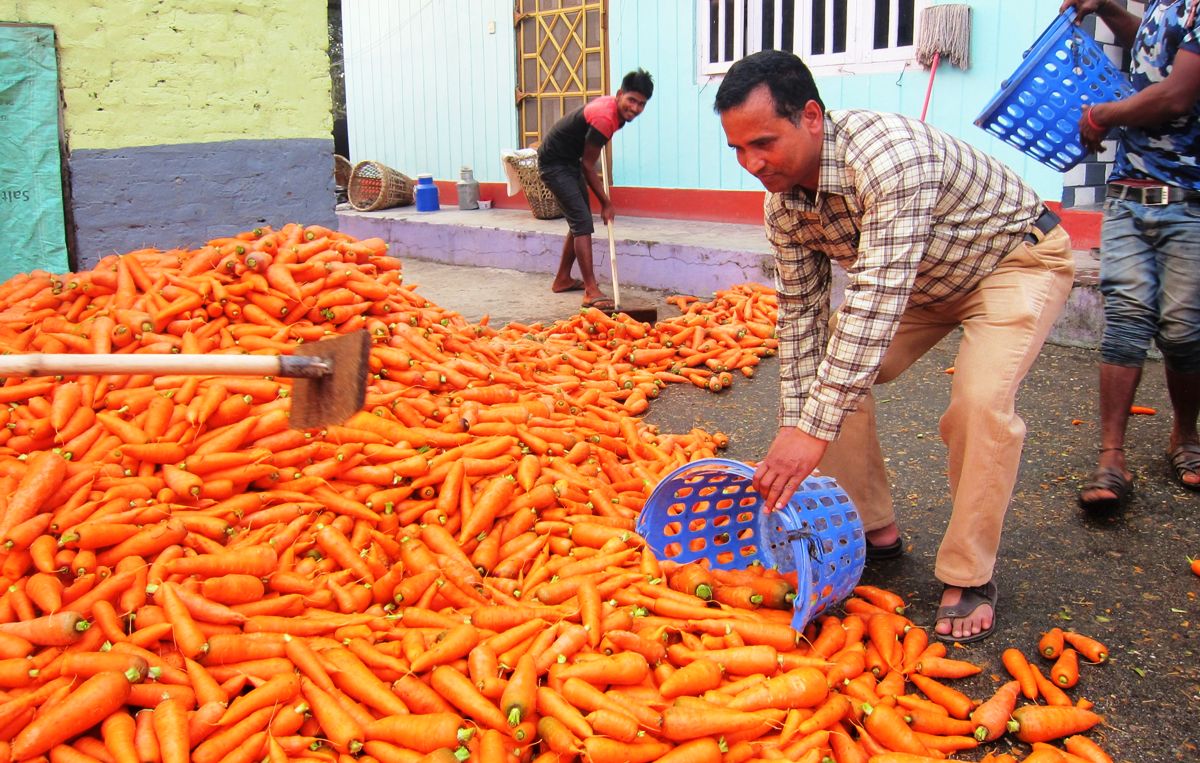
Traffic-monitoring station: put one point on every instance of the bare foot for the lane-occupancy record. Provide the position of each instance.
(958, 625)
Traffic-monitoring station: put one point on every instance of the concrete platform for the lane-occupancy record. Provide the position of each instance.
(675, 256)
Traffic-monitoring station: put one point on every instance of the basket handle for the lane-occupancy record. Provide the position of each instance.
(804, 562)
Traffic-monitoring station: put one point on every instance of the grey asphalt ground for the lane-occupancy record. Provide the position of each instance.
(1120, 578)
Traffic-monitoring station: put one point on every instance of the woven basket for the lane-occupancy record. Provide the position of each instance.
(541, 202)
(376, 186)
(341, 170)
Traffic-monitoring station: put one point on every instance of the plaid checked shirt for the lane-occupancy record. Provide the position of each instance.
(914, 216)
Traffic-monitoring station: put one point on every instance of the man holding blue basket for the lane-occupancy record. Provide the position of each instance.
(1150, 241)
(934, 235)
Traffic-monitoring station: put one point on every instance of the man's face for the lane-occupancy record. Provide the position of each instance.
(630, 104)
(781, 153)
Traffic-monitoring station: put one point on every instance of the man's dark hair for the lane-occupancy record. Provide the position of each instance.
(638, 81)
(790, 82)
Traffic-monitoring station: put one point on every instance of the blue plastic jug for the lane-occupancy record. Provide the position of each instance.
(427, 194)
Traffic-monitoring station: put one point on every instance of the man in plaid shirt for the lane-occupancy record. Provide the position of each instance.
(934, 235)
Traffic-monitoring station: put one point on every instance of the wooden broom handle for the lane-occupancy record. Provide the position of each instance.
(612, 242)
(51, 364)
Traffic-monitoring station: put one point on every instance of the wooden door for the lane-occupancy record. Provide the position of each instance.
(562, 50)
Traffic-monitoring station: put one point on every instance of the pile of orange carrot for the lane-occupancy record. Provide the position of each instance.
(452, 573)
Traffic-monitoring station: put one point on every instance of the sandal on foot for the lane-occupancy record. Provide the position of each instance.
(970, 600)
(1107, 478)
(886, 551)
(575, 285)
(604, 304)
(1185, 459)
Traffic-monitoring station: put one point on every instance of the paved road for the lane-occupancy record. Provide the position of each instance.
(1123, 578)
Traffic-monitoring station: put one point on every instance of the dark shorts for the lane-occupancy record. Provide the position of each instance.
(571, 191)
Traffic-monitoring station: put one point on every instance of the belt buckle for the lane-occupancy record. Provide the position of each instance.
(1164, 195)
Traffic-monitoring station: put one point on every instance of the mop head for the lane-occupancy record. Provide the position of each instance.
(945, 30)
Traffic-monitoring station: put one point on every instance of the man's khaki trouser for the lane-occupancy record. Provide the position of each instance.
(1005, 321)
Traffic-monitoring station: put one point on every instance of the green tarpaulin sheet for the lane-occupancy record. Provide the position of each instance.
(32, 231)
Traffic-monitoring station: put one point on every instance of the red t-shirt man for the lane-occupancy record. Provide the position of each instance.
(567, 163)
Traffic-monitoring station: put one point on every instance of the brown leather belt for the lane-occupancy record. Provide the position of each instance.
(1045, 222)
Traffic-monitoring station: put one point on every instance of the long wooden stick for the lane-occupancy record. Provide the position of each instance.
(612, 242)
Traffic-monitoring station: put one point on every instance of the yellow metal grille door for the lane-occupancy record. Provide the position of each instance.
(562, 47)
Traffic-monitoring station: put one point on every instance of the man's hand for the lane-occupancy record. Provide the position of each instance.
(1091, 131)
(607, 212)
(1082, 7)
(792, 457)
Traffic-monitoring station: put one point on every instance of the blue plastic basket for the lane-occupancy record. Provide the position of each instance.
(709, 510)
(1038, 108)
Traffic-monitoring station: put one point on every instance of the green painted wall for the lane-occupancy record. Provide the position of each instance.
(166, 72)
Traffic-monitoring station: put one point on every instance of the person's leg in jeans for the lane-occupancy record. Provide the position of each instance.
(1130, 284)
(1005, 321)
(1179, 333)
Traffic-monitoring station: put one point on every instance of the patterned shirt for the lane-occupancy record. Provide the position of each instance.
(914, 216)
(1167, 152)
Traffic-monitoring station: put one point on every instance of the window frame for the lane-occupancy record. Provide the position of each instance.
(860, 56)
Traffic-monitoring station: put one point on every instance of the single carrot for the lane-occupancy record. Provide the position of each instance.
(1017, 666)
(1050, 645)
(956, 703)
(423, 732)
(802, 687)
(1085, 748)
(1065, 670)
(458, 690)
(1045, 723)
(887, 726)
(992, 716)
(697, 718)
(44, 473)
(519, 698)
(693, 679)
(1142, 410)
(944, 667)
(93, 701)
(59, 629)
(1089, 648)
(171, 731)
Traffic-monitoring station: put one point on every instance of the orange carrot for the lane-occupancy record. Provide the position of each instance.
(802, 687)
(1089, 648)
(887, 726)
(1085, 748)
(59, 629)
(1065, 670)
(423, 732)
(1018, 667)
(991, 717)
(1050, 645)
(90, 703)
(1044, 723)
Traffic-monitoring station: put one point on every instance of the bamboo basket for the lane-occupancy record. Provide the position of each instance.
(375, 186)
(541, 201)
(341, 171)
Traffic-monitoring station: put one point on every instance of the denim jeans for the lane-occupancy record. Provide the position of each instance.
(1150, 279)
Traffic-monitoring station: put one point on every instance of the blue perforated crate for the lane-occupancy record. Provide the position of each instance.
(1038, 108)
(709, 510)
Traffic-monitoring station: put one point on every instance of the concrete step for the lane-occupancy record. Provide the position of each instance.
(677, 256)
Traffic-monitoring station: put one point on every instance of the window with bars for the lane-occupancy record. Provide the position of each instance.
(845, 34)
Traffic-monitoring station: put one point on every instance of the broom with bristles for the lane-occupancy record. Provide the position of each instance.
(945, 33)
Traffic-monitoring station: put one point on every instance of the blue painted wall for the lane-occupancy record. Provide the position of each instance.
(430, 89)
